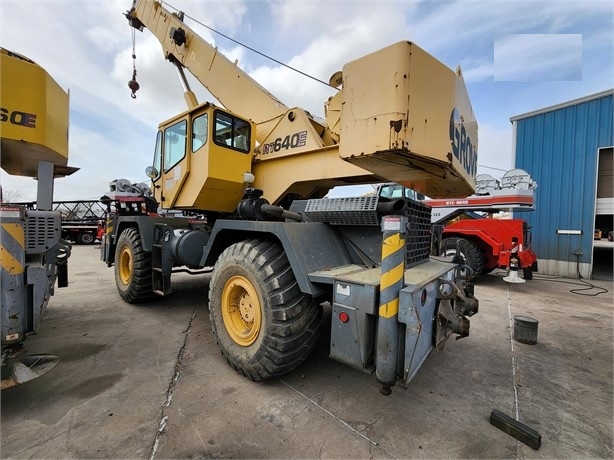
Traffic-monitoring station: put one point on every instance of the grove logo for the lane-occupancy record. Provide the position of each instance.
(464, 146)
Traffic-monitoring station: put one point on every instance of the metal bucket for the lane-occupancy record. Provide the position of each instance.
(525, 329)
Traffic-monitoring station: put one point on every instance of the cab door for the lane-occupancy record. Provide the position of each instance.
(171, 153)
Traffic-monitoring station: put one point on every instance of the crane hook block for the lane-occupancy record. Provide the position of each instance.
(134, 86)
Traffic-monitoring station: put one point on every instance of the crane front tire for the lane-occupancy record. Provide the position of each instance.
(133, 268)
(264, 325)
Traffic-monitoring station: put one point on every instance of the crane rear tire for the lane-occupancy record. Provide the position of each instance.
(133, 268)
(468, 250)
(264, 325)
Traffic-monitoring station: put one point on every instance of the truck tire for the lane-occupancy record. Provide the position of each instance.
(132, 268)
(527, 273)
(85, 238)
(469, 251)
(265, 326)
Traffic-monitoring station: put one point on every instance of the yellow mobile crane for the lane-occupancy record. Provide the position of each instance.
(255, 172)
(34, 143)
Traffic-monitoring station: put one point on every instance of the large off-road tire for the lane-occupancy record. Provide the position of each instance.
(133, 268)
(469, 252)
(265, 326)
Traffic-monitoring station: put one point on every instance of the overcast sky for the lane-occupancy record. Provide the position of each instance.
(516, 56)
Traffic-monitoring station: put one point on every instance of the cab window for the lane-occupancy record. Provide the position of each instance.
(398, 191)
(199, 131)
(174, 144)
(232, 132)
(157, 160)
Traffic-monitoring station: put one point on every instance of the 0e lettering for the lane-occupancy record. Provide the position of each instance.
(27, 120)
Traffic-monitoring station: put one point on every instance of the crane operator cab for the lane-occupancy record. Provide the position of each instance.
(200, 160)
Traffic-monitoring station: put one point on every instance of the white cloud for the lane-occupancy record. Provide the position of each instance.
(494, 149)
(538, 57)
(317, 18)
(476, 70)
(347, 31)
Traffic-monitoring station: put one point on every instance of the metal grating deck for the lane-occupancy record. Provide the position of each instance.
(360, 210)
(418, 242)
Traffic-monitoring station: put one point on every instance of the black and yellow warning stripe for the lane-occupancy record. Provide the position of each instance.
(12, 243)
(392, 274)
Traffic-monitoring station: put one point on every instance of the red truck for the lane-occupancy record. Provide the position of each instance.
(82, 220)
(488, 243)
(466, 226)
(83, 232)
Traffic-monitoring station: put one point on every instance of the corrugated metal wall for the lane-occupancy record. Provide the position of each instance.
(558, 147)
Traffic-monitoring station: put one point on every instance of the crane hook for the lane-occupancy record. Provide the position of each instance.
(133, 85)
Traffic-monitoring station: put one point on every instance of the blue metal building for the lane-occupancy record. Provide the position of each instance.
(561, 147)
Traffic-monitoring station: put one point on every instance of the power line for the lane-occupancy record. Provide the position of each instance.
(252, 49)
(491, 167)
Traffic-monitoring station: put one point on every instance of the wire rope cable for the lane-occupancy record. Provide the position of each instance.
(294, 69)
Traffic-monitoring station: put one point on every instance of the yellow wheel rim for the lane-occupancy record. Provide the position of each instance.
(241, 311)
(125, 265)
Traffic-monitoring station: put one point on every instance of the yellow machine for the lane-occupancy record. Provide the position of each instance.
(34, 116)
(34, 142)
(400, 115)
(252, 175)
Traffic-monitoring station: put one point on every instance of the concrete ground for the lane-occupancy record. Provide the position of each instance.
(148, 382)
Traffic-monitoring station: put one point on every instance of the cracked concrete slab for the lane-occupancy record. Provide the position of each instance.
(105, 397)
(110, 393)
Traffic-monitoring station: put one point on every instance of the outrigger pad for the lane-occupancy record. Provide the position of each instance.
(518, 430)
(28, 368)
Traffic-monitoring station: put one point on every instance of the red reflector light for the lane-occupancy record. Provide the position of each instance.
(344, 317)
